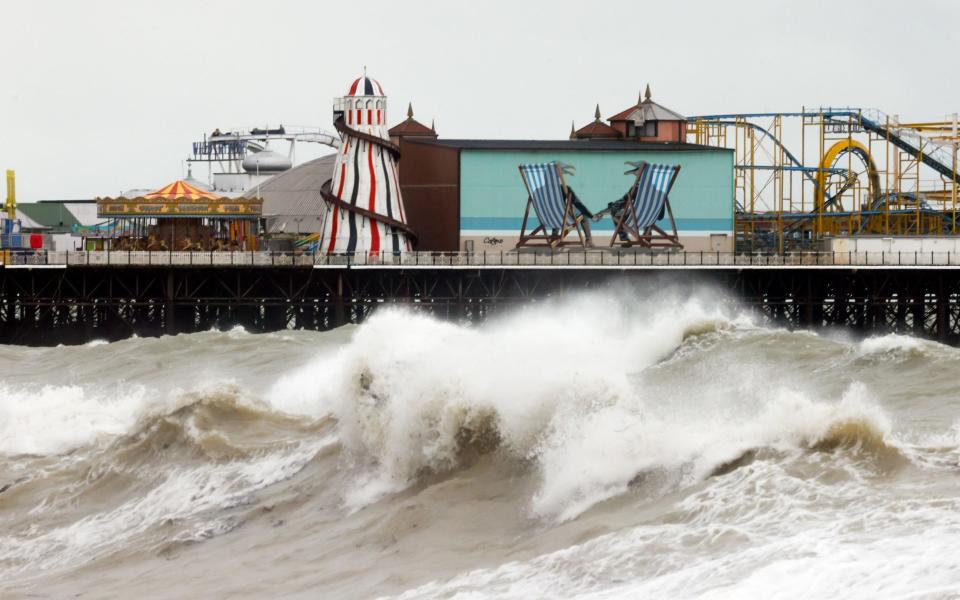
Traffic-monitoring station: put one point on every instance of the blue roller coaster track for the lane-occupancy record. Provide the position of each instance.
(931, 159)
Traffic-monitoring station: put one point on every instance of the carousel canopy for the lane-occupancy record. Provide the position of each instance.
(180, 199)
(179, 190)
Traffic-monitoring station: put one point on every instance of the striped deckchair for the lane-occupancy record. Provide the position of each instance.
(553, 206)
(647, 201)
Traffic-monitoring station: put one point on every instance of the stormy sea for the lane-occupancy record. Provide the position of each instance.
(610, 445)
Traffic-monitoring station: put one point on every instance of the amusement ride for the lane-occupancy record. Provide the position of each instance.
(857, 171)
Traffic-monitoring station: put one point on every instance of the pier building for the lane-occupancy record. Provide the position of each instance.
(647, 121)
(466, 194)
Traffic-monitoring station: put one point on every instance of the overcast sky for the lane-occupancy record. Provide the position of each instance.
(102, 96)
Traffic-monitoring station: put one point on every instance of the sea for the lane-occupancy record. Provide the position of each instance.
(618, 444)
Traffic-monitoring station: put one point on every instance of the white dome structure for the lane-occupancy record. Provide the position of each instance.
(266, 161)
(196, 182)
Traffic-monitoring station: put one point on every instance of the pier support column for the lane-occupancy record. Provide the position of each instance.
(943, 311)
(276, 316)
(807, 311)
(339, 310)
(917, 312)
(168, 315)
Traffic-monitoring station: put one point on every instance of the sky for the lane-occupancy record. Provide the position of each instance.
(97, 97)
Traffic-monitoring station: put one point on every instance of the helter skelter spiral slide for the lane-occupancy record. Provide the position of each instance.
(366, 212)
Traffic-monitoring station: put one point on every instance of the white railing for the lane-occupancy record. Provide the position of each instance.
(148, 258)
(594, 258)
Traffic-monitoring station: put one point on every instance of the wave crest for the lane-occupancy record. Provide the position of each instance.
(414, 396)
(857, 433)
(45, 420)
(411, 394)
(900, 346)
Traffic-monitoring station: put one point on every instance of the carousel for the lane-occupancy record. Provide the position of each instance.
(178, 217)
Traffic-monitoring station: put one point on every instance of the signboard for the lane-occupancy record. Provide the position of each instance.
(200, 208)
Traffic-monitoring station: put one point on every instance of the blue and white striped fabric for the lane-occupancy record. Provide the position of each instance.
(652, 190)
(546, 191)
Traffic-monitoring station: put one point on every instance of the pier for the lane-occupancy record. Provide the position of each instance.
(75, 297)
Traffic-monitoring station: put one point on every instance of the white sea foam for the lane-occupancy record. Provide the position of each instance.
(895, 343)
(791, 558)
(592, 457)
(57, 419)
(761, 531)
(407, 387)
(53, 419)
(563, 387)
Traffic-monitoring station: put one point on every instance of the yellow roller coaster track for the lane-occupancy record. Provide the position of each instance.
(830, 158)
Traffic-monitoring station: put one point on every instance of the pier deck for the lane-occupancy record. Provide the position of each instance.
(74, 297)
(594, 258)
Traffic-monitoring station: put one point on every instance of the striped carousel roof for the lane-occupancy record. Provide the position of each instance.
(365, 86)
(179, 190)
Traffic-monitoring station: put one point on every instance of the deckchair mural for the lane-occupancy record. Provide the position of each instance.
(555, 207)
(637, 214)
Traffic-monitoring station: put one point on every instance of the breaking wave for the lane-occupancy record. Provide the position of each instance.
(901, 345)
(562, 393)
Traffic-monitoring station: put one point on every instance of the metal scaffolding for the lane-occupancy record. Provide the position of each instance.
(857, 172)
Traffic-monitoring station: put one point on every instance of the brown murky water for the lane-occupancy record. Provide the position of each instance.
(607, 446)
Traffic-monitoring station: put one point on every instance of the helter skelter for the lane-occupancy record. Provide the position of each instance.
(366, 212)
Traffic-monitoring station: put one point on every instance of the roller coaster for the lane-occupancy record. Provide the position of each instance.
(857, 172)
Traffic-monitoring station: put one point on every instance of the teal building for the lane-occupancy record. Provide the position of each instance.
(468, 194)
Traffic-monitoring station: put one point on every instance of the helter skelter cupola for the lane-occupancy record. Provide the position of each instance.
(366, 211)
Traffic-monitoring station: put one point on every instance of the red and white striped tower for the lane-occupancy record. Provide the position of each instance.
(366, 211)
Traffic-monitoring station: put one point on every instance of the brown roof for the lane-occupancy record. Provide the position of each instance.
(597, 129)
(411, 127)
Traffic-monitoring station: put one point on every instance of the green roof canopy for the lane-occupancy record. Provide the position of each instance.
(49, 214)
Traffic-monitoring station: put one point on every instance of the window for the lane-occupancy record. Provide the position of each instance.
(647, 129)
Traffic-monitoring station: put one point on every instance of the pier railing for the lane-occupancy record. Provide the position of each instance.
(507, 259)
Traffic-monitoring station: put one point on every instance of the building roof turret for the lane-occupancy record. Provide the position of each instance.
(647, 110)
(595, 130)
(412, 128)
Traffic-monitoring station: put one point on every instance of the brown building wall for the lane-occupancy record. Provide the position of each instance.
(670, 131)
(667, 131)
(430, 184)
